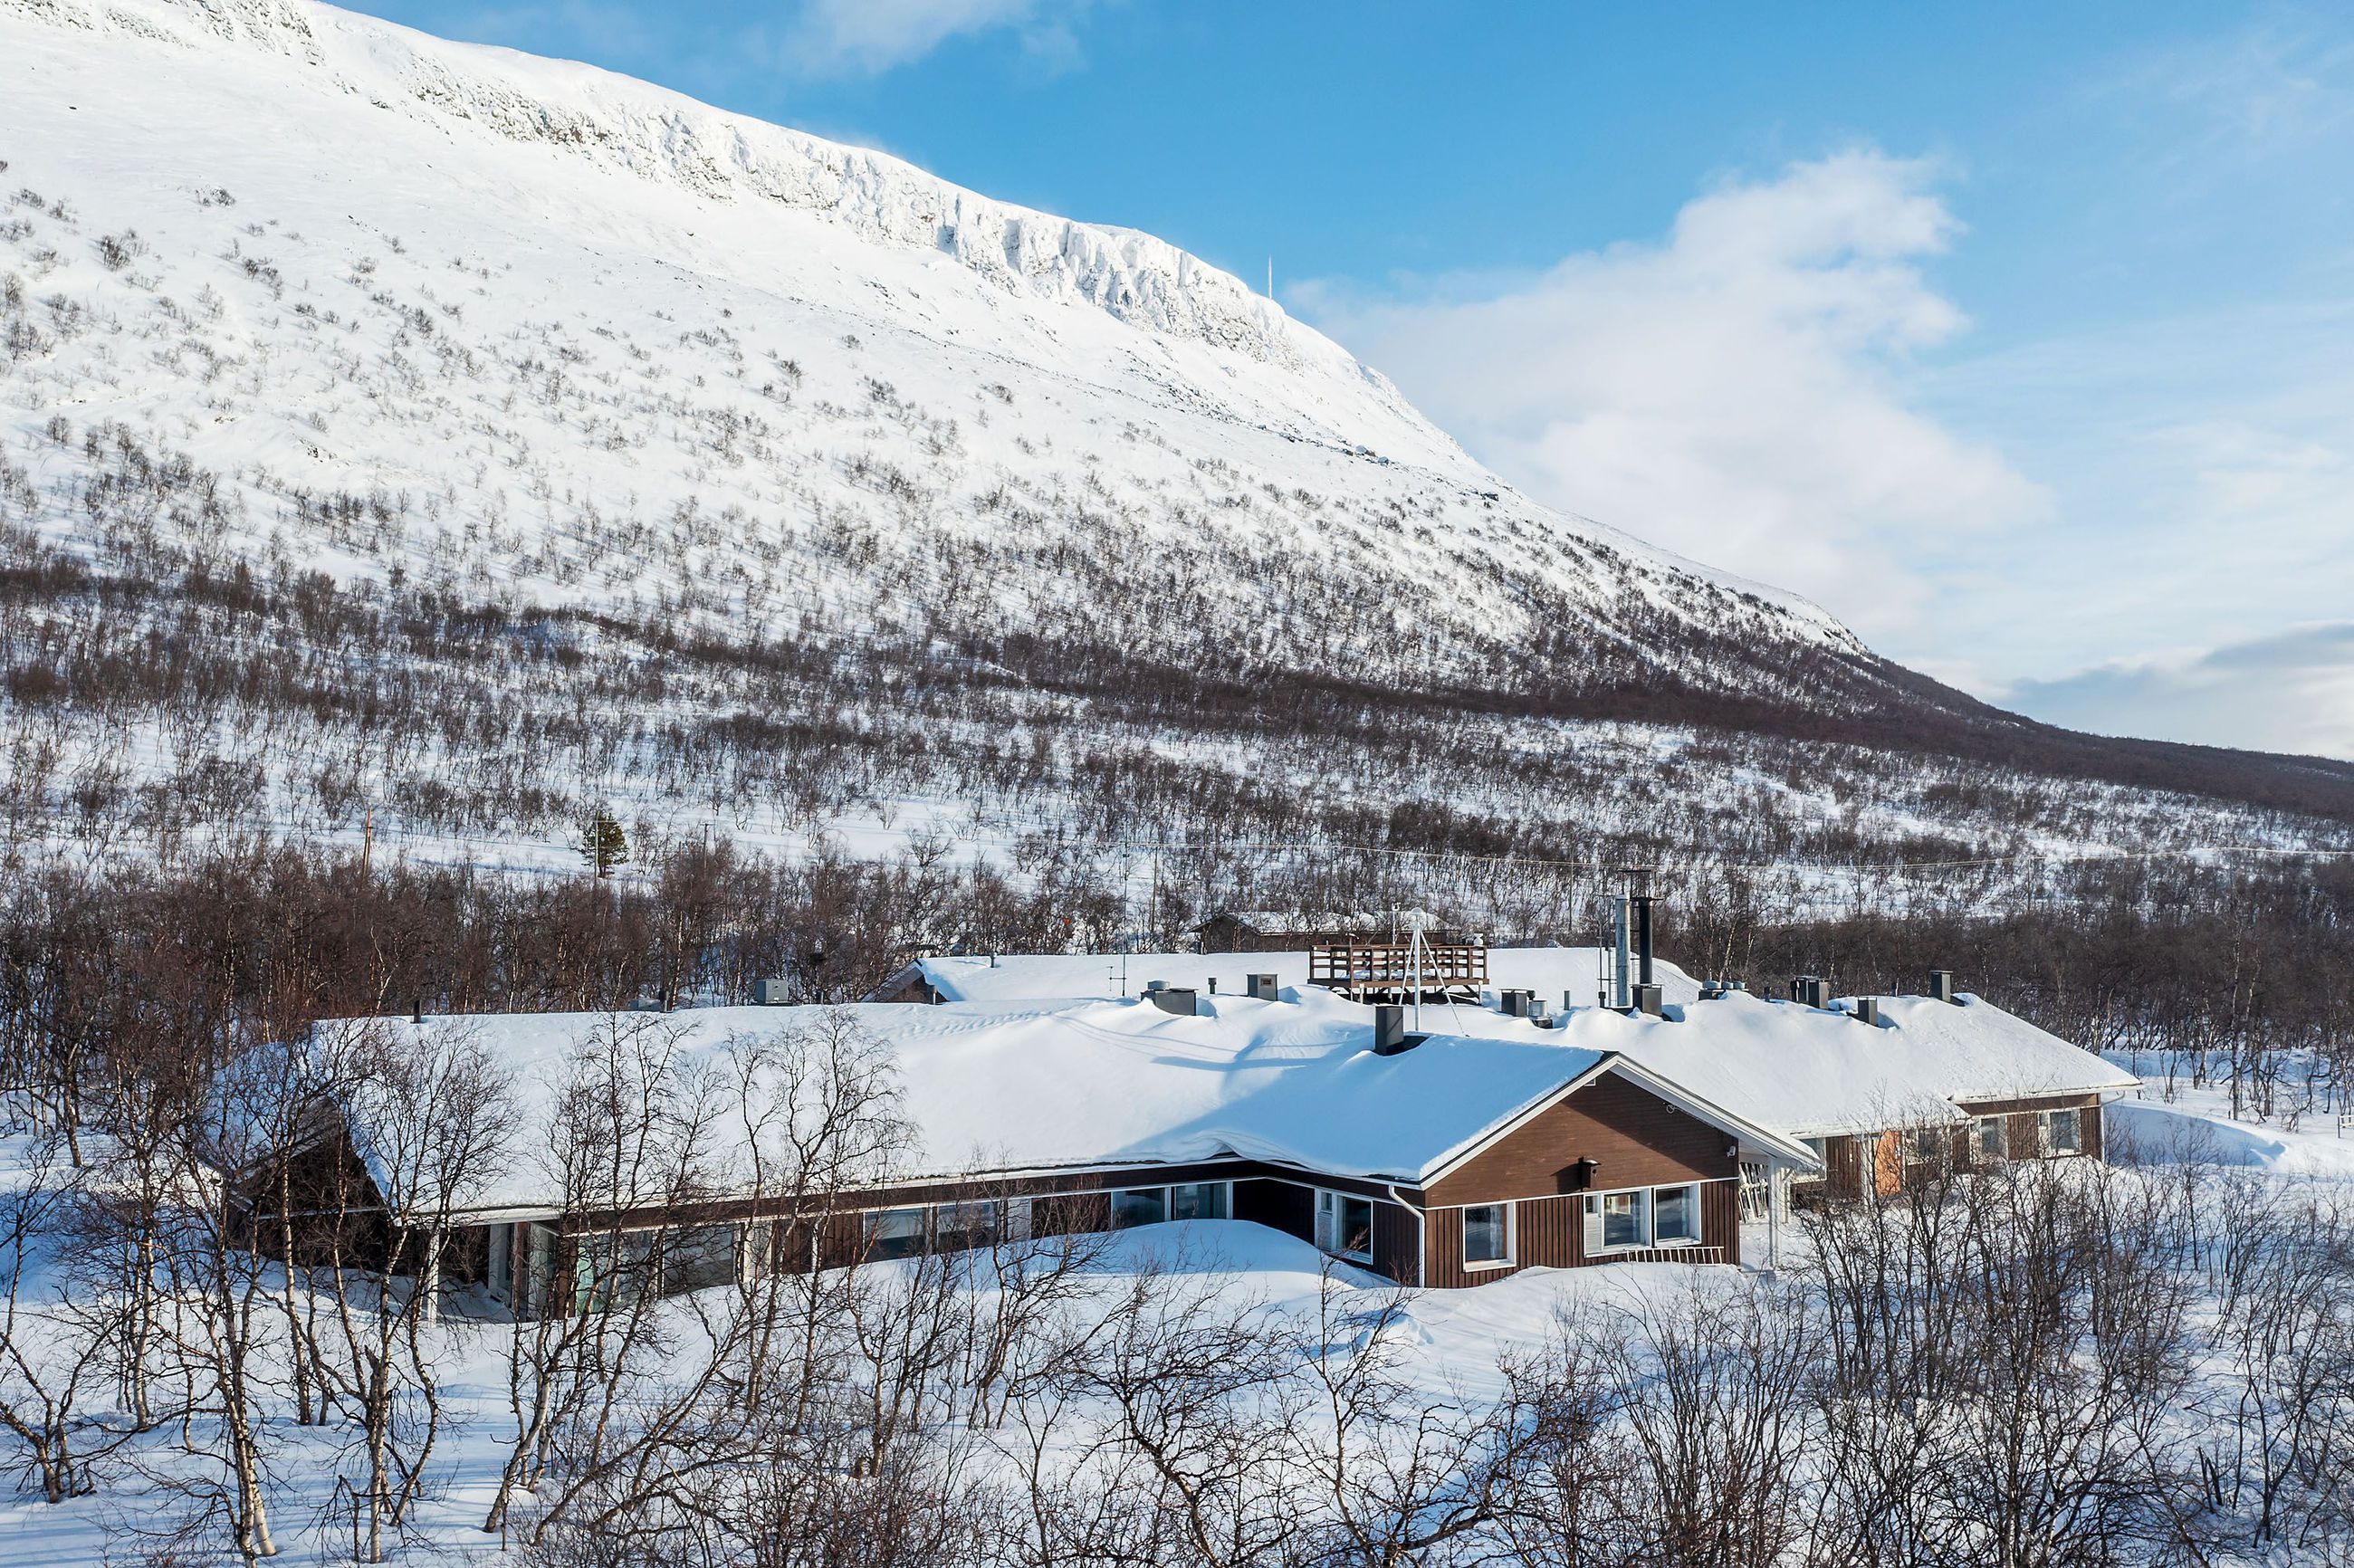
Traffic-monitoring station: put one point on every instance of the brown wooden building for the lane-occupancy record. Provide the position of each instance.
(1451, 1162)
(1612, 1167)
(1441, 1161)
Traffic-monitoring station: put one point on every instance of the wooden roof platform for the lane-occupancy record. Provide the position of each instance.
(1398, 971)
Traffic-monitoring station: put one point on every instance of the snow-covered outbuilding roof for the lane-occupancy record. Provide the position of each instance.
(1552, 972)
(1017, 1087)
(1804, 1071)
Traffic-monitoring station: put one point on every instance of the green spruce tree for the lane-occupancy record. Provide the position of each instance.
(602, 843)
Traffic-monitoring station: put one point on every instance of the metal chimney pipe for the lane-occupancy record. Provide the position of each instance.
(1620, 977)
(1643, 938)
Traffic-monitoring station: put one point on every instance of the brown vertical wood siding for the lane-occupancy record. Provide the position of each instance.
(1550, 1233)
(1845, 1157)
(1637, 1139)
(1397, 1243)
(1278, 1205)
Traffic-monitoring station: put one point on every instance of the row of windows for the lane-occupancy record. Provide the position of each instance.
(674, 1259)
(1614, 1221)
(957, 1227)
(2057, 1132)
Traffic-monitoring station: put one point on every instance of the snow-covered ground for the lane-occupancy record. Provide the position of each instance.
(1445, 1347)
(2197, 1125)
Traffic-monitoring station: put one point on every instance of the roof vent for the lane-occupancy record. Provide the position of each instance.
(1259, 987)
(1515, 1003)
(1866, 1011)
(771, 993)
(1648, 999)
(1810, 990)
(1390, 1038)
(1941, 985)
(1167, 997)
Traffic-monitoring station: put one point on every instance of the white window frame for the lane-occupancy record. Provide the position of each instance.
(2043, 1142)
(1597, 1223)
(1512, 1238)
(1329, 1225)
(1821, 1147)
(1699, 1223)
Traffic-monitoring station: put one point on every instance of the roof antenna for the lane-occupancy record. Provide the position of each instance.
(1270, 277)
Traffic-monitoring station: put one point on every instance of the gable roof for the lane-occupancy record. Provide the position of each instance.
(1022, 1088)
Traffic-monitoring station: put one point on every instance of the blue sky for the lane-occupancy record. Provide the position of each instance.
(2020, 336)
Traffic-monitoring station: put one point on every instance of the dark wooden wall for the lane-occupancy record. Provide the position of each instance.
(1278, 1205)
(1550, 1233)
(1845, 1158)
(1637, 1139)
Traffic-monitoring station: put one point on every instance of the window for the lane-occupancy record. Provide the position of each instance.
(538, 1282)
(502, 1262)
(1926, 1146)
(1488, 1236)
(2062, 1135)
(1018, 1221)
(1618, 1219)
(957, 1228)
(1344, 1225)
(614, 1269)
(698, 1258)
(895, 1232)
(1138, 1206)
(1993, 1140)
(1198, 1201)
(1675, 1214)
(1820, 1147)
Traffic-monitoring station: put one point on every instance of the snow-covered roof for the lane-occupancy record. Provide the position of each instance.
(1400, 920)
(1008, 1088)
(1804, 1071)
(1552, 972)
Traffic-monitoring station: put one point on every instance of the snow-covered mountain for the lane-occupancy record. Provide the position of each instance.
(598, 345)
(406, 390)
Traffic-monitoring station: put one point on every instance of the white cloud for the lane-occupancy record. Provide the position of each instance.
(1732, 392)
(2289, 691)
(870, 36)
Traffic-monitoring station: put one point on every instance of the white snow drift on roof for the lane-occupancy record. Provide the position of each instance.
(1014, 1088)
(1803, 1072)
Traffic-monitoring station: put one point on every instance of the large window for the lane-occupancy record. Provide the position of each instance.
(1675, 1214)
(2062, 1133)
(1138, 1206)
(1927, 1146)
(957, 1227)
(1642, 1217)
(1993, 1139)
(895, 1233)
(1488, 1236)
(1618, 1219)
(699, 1258)
(1198, 1201)
(1344, 1224)
(537, 1288)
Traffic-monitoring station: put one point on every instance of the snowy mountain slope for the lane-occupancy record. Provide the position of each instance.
(416, 437)
(545, 310)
